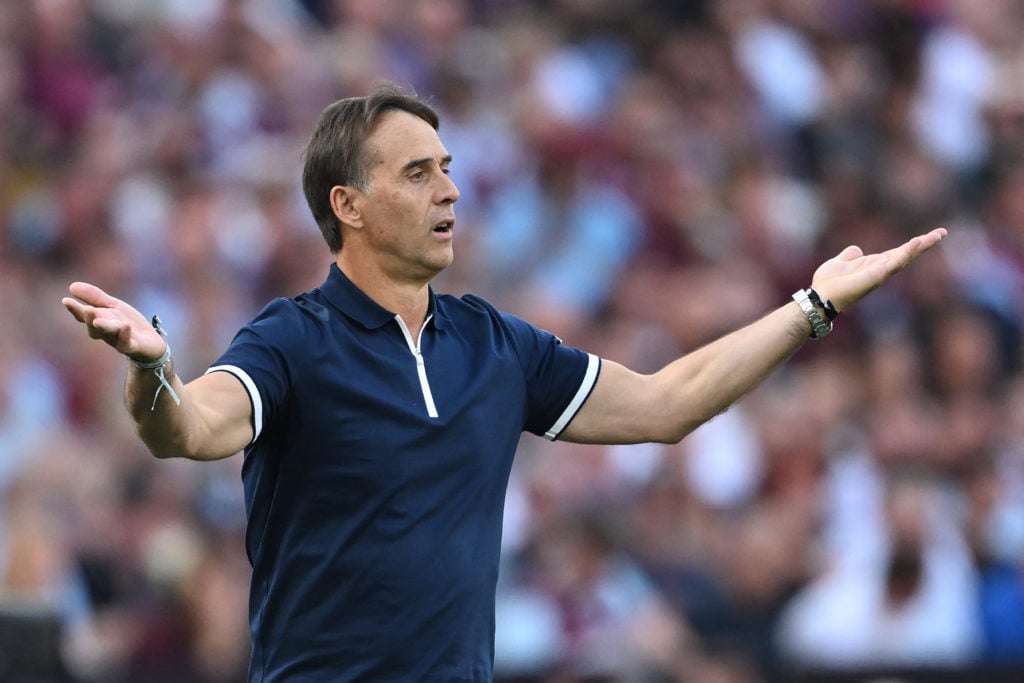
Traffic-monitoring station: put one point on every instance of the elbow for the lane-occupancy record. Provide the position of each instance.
(171, 452)
(671, 427)
(671, 412)
(675, 434)
(190, 449)
(166, 451)
(680, 429)
(163, 447)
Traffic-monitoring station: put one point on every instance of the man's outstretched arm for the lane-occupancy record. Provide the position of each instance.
(206, 419)
(627, 407)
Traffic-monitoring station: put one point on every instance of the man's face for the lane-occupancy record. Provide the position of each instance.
(408, 209)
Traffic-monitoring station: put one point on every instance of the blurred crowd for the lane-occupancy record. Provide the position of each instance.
(638, 176)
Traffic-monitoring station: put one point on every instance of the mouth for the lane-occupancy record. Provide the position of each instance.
(444, 227)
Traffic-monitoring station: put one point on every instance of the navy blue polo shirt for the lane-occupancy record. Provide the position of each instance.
(375, 484)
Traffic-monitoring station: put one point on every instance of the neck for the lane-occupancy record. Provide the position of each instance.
(409, 298)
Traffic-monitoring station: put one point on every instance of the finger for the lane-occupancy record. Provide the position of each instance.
(115, 332)
(913, 248)
(76, 308)
(92, 295)
(97, 323)
(108, 326)
(82, 312)
(924, 242)
(932, 238)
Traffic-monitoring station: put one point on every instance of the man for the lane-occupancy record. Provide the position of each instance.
(379, 419)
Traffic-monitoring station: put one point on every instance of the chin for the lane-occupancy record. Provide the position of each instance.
(435, 266)
(440, 267)
(442, 260)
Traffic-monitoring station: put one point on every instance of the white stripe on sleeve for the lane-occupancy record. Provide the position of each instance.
(589, 378)
(250, 388)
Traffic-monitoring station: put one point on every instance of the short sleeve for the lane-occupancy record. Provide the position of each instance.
(559, 378)
(262, 356)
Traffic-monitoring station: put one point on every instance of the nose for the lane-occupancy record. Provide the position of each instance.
(448, 190)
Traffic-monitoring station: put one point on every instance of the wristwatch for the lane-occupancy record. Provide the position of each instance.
(820, 312)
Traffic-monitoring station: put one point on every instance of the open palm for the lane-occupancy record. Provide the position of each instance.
(849, 276)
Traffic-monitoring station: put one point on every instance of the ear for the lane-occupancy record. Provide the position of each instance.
(346, 205)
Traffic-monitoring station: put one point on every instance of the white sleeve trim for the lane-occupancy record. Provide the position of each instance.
(589, 379)
(250, 388)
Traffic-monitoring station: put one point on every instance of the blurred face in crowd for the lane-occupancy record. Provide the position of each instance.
(406, 215)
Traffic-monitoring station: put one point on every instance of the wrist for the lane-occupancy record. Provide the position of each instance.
(819, 311)
(160, 361)
(159, 367)
(151, 363)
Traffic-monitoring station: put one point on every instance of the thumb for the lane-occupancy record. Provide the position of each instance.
(850, 253)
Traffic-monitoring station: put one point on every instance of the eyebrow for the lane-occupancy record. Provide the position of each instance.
(446, 159)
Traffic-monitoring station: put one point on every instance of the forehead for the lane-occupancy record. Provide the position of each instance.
(400, 137)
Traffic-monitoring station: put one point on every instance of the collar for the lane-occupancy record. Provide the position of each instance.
(343, 294)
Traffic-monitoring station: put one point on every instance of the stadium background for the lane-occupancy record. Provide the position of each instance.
(637, 176)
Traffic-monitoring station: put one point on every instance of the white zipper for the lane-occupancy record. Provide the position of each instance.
(421, 367)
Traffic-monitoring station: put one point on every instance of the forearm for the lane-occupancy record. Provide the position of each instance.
(702, 384)
(165, 426)
(627, 407)
(209, 420)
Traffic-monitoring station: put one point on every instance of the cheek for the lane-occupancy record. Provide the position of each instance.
(393, 215)
(397, 206)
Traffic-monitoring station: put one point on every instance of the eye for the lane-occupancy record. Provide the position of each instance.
(417, 175)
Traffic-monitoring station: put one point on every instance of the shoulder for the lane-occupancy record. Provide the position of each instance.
(279, 314)
(476, 317)
(470, 312)
(290, 321)
(468, 304)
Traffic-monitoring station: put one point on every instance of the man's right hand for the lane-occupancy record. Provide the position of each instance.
(115, 322)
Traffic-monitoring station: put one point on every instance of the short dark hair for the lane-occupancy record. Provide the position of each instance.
(336, 155)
